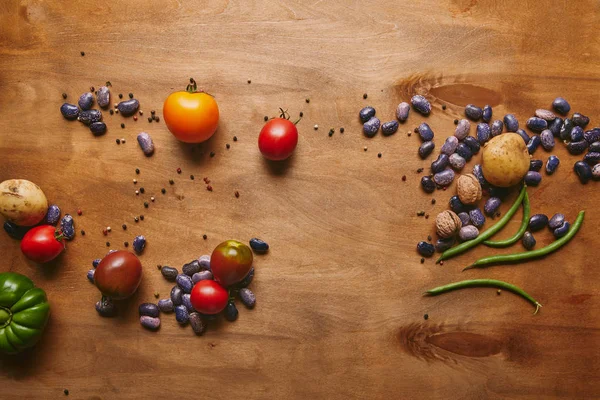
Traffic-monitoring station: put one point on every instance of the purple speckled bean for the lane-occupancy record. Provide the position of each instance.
(197, 323)
(444, 178)
(69, 111)
(486, 116)
(591, 136)
(596, 172)
(523, 135)
(468, 232)
(247, 297)
(457, 162)
(128, 107)
(371, 127)
(440, 163)
(98, 128)
(533, 178)
(462, 129)
(562, 230)
(555, 125)
(139, 244)
(421, 104)
(552, 164)
(67, 227)
(148, 309)
(366, 113)
(491, 206)
(90, 275)
(442, 245)
(528, 241)
(511, 123)
(477, 217)
(182, 314)
(449, 145)
(166, 305)
(497, 127)
(464, 218)
(247, 279)
(191, 268)
(202, 276)
(536, 124)
(176, 294)
(545, 114)
(577, 134)
(86, 101)
(425, 132)
(556, 220)
(106, 308)
(580, 120)
(185, 300)
(150, 322)
(483, 133)
(561, 105)
(184, 282)
(90, 116)
(425, 149)
(473, 112)
(52, 215)
(204, 261)
(389, 128)
(96, 262)
(103, 96)
(547, 139)
(146, 143)
(169, 273)
(402, 111)
(576, 148)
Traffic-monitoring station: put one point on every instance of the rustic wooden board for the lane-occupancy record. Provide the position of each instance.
(340, 312)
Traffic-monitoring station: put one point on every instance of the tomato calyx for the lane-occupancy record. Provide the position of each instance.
(192, 87)
(58, 235)
(286, 115)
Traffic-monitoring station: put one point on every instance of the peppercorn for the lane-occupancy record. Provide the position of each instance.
(142, 190)
(120, 95)
(146, 204)
(416, 130)
(126, 244)
(409, 134)
(342, 130)
(420, 213)
(156, 295)
(82, 232)
(422, 260)
(209, 188)
(419, 170)
(227, 146)
(142, 217)
(365, 148)
(365, 96)
(379, 155)
(107, 244)
(171, 181)
(64, 95)
(429, 238)
(157, 119)
(432, 201)
(136, 219)
(237, 194)
(163, 190)
(124, 227)
(212, 153)
(135, 118)
(426, 317)
(149, 119)
(498, 292)
(141, 112)
(266, 118)
(79, 212)
(137, 171)
(316, 127)
(443, 106)
(330, 133)
(455, 122)
(192, 177)
(152, 199)
(307, 100)
(66, 391)
(122, 125)
(137, 192)
(403, 178)
(92, 89)
(131, 95)
(426, 216)
(123, 140)
(178, 170)
(152, 112)
(204, 237)
(111, 111)
(235, 138)
(118, 141)
(104, 231)
(82, 53)
(301, 114)
(159, 267)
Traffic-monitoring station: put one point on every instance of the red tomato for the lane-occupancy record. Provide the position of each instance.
(208, 297)
(118, 275)
(42, 244)
(230, 262)
(278, 139)
(191, 116)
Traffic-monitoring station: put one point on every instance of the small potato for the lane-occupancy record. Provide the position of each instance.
(505, 160)
(22, 202)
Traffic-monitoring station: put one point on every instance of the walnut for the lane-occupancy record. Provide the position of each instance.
(468, 189)
(447, 224)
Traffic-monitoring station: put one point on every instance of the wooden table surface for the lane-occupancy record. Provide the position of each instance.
(340, 312)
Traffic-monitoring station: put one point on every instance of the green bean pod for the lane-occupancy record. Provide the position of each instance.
(519, 234)
(528, 255)
(484, 283)
(461, 248)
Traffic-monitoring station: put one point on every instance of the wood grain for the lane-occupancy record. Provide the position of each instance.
(340, 311)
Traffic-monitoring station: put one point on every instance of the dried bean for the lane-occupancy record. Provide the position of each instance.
(427, 184)
(247, 279)
(402, 111)
(547, 139)
(366, 114)
(533, 144)
(184, 282)
(533, 178)
(473, 144)
(103, 96)
(191, 268)
(371, 127)
(464, 151)
(535, 165)
(511, 123)
(128, 107)
(528, 241)
(425, 132)
(444, 178)
(150, 322)
(552, 164)
(67, 226)
(90, 116)
(169, 273)
(523, 135)
(440, 163)
(421, 104)
(577, 148)
(139, 243)
(247, 297)
(565, 130)
(52, 215)
(442, 245)
(181, 314)
(596, 172)
(556, 220)
(497, 127)
(580, 120)
(473, 112)
(449, 145)
(145, 142)
(204, 261)
(457, 162)
(98, 128)
(487, 113)
(176, 294)
(389, 128)
(536, 124)
(562, 230)
(456, 205)
(561, 106)
(86, 101)
(462, 129)
(425, 149)
(185, 300)
(197, 323)
(464, 219)
(491, 206)
(106, 308)
(166, 305)
(555, 126)
(148, 309)
(478, 172)
(69, 111)
(545, 114)
(259, 246)
(592, 136)
(202, 276)
(592, 158)
(15, 231)
(425, 249)
(231, 312)
(583, 171)
(577, 134)
(96, 262)
(468, 232)
(90, 275)
(483, 133)
(477, 217)
(537, 222)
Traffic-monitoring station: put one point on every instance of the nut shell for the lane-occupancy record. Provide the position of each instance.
(468, 189)
(447, 224)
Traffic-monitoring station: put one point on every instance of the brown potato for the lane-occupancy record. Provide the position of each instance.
(22, 202)
(505, 160)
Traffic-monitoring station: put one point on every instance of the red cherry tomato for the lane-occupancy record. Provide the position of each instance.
(42, 244)
(230, 262)
(208, 297)
(118, 275)
(278, 139)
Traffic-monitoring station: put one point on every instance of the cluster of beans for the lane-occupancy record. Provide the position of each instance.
(92, 118)
(52, 217)
(371, 123)
(557, 224)
(179, 299)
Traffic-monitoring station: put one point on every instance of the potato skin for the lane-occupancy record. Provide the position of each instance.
(22, 202)
(505, 160)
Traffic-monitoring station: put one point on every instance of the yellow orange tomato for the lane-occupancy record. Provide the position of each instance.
(191, 116)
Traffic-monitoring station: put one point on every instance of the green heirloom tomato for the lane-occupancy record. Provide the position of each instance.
(24, 311)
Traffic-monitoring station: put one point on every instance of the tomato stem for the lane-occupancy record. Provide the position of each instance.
(298, 120)
(58, 235)
(192, 87)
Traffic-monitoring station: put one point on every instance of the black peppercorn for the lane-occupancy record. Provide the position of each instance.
(157, 119)
(443, 106)
(146, 204)
(120, 95)
(66, 391)
(111, 111)
(163, 190)
(235, 138)
(126, 244)
(142, 190)
(64, 95)
(365, 96)
(426, 316)
(301, 114)
(227, 146)
(171, 182)
(131, 95)
(142, 217)
(149, 119)
(204, 237)
(124, 227)
(342, 130)
(82, 53)
(266, 118)
(191, 177)
(82, 232)
(307, 100)
(432, 201)
(136, 219)
(107, 244)
(152, 112)
(455, 122)
(118, 141)
(137, 171)
(379, 155)
(422, 260)
(212, 153)
(122, 125)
